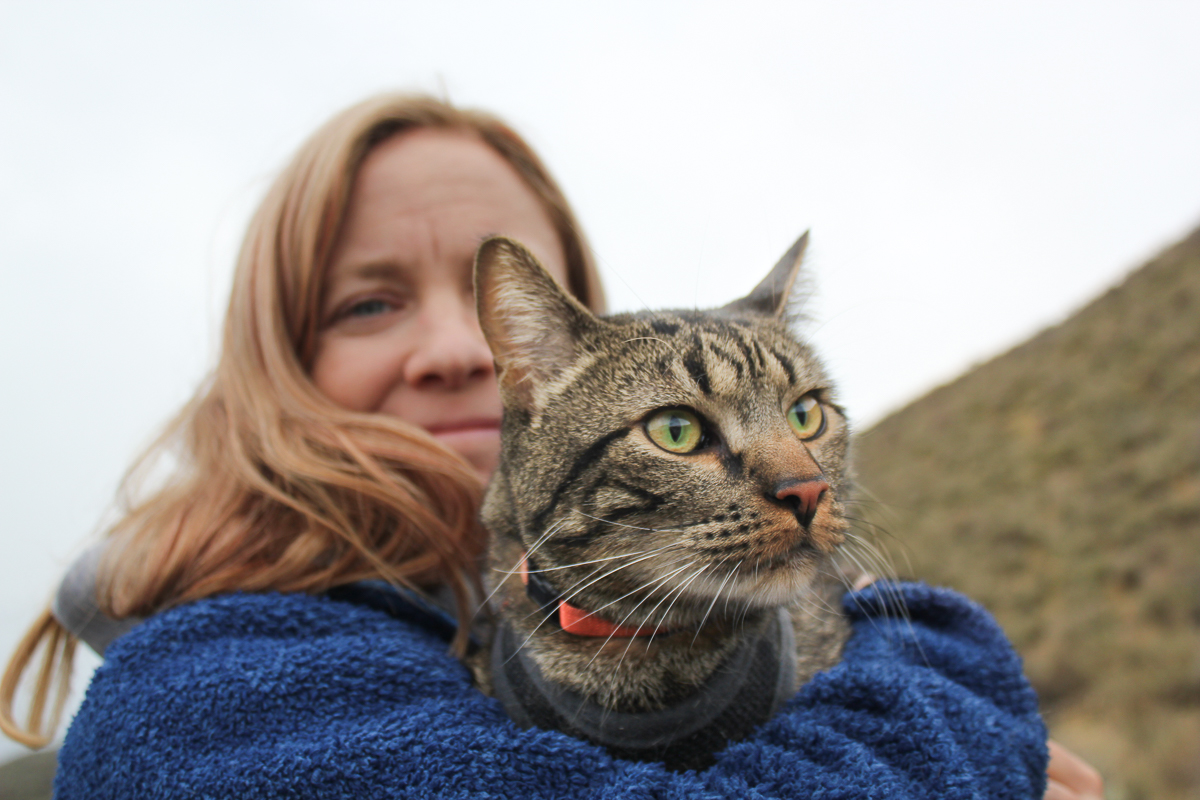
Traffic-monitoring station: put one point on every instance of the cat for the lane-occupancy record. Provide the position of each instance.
(666, 515)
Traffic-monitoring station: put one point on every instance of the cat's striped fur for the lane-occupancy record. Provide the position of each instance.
(703, 544)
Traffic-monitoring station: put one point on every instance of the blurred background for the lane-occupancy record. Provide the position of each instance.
(972, 174)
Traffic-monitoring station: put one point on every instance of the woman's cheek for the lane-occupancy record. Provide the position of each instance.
(351, 371)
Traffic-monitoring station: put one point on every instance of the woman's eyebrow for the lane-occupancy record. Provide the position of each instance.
(384, 270)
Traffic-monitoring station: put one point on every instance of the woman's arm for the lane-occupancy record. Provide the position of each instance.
(1069, 777)
(296, 696)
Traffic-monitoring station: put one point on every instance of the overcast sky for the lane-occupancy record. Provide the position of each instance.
(970, 174)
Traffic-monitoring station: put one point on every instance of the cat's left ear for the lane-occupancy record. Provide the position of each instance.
(774, 295)
(531, 324)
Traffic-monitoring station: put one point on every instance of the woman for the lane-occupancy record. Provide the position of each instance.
(345, 437)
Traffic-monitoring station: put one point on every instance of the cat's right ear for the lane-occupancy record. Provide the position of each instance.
(531, 324)
(777, 293)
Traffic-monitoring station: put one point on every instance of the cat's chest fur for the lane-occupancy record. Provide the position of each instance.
(668, 482)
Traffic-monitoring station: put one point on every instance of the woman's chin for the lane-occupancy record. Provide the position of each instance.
(479, 446)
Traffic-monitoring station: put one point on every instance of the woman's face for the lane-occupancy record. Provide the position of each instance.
(398, 330)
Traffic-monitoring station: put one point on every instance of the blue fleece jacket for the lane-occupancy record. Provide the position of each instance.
(293, 696)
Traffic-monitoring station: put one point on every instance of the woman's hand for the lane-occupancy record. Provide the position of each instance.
(1071, 778)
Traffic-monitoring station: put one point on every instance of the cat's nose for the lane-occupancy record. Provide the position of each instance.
(802, 497)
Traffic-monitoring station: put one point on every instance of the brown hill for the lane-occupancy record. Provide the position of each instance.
(28, 777)
(1059, 484)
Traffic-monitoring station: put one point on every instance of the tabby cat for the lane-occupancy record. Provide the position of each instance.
(665, 516)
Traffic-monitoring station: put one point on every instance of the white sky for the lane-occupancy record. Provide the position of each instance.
(970, 173)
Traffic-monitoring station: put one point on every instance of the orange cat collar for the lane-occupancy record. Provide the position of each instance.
(574, 619)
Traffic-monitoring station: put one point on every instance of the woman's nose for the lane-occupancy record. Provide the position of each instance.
(450, 350)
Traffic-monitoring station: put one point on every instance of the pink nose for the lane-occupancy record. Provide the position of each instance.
(802, 496)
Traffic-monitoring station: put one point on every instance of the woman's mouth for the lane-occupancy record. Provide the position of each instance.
(458, 434)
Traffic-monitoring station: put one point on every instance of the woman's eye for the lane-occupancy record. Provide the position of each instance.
(806, 417)
(368, 308)
(676, 430)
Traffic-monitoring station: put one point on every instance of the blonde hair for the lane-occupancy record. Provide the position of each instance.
(276, 488)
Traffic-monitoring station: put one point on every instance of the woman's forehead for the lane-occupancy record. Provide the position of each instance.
(434, 193)
(429, 165)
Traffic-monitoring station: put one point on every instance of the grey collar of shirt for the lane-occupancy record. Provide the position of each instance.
(75, 607)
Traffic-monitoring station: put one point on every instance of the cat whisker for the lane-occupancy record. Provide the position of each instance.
(729, 595)
(541, 540)
(865, 536)
(870, 501)
(745, 608)
(894, 605)
(839, 573)
(632, 639)
(863, 556)
(598, 560)
(871, 567)
(652, 339)
(878, 560)
(654, 583)
(678, 593)
(739, 620)
(812, 607)
(594, 611)
(575, 590)
(544, 619)
(816, 599)
(864, 497)
(517, 567)
(716, 597)
(544, 538)
(745, 603)
(877, 529)
(631, 527)
(610, 270)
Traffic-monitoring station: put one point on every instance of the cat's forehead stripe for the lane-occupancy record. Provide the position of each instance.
(702, 356)
(749, 354)
(665, 327)
(694, 362)
(737, 363)
(718, 357)
(786, 364)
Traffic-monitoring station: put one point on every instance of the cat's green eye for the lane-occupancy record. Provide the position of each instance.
(675, 429)
(806, 417)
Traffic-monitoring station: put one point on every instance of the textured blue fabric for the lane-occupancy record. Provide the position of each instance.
(291, 696)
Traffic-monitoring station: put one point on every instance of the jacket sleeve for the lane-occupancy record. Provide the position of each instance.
(287, 696)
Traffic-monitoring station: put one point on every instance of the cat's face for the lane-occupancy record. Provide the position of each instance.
(656, 464)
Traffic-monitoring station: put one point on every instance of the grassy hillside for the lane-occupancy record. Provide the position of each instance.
(1059, 484)
(28, 777)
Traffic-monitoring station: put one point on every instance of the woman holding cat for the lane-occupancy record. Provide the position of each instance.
(344, 438)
